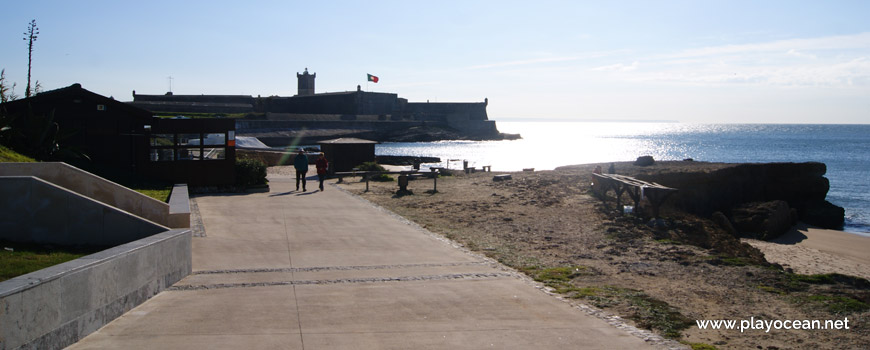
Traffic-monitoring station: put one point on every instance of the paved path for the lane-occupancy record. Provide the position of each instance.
(326, 270)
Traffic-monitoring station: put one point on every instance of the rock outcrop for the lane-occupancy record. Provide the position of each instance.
(724, 187)
(644, 161)
(763, 220)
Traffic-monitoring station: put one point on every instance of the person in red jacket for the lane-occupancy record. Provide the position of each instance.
(322, 164)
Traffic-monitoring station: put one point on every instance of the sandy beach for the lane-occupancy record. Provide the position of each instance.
(810, 250)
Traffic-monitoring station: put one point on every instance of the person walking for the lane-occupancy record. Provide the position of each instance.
(301, 165)
(321, 164)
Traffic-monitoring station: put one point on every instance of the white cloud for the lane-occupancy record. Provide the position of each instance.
(838, 61)
(795, 53)
(546, 60)
(618, 67)
(842, 42)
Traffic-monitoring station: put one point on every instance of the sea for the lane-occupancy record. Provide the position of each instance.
(845, 149)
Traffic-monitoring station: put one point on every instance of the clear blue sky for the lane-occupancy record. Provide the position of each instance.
(692, 61)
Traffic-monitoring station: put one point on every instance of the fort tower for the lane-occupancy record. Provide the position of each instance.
(306, 83)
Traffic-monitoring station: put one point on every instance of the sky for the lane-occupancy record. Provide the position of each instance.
(691, 61)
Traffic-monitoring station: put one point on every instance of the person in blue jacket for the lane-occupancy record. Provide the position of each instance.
(301, 165)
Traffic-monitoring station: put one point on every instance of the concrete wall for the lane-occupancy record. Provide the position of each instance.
(468, 111)
(95, 187)
(57, 306)
(179, 207)
(33, 210)
(250, 126)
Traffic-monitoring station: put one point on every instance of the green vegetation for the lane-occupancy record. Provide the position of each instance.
(838, 304)
(829, 278)
(17, 259)
(772, 290)
(160, 194)
(9, 156)
(700, 346)
(649, 313)
(370, 166)
(250, 172)
(558, 278)
(835, 300)
(655, 314)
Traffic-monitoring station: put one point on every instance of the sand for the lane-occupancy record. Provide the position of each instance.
(810, 250)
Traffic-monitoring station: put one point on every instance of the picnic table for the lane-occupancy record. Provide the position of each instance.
(636, 189)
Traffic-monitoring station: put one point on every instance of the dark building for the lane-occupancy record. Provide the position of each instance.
(113, 133)
(193, 151)
(346, 153)
(305, 83)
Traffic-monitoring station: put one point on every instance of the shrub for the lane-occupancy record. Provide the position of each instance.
(370, 166)
(250, 172)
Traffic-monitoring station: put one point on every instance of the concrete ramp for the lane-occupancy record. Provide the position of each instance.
(34, 210)
(92, 186)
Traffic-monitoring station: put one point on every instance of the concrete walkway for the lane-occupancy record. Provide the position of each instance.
(326, 270)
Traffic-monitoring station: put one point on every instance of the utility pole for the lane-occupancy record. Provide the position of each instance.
(30, 36)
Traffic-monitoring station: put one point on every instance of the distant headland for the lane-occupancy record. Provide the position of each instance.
(309, 117)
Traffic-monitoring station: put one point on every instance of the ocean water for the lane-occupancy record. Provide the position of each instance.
(845, 149)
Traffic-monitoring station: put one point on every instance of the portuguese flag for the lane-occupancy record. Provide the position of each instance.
(372, 78)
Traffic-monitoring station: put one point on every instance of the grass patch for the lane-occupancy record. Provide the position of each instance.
(648, 312)
(700, 346)
(17, 259)
(729, 260)
(772, 290)
(831, 278)
(655, 314)
(161, 194)
(838, 304)
(827, 278)
(9, 156)
(558, 278)
(587, 292)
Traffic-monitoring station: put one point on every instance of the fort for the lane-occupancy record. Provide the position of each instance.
(309, 117)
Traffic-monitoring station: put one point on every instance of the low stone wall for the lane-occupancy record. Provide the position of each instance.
(179, 207)
(57, 306)
(92, 186)
(33, 210)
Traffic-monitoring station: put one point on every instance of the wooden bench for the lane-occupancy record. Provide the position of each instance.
(637, 190)
(433, 173)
